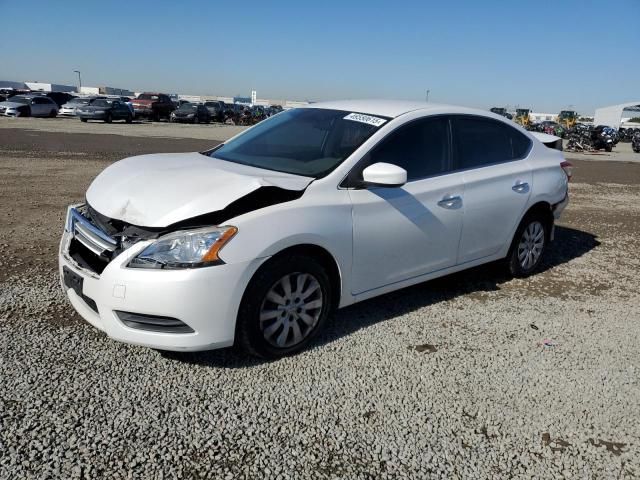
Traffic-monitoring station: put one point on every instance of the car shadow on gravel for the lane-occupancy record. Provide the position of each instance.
(569, 244)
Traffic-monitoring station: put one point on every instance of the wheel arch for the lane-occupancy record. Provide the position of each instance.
(322, 256)
(542, 208)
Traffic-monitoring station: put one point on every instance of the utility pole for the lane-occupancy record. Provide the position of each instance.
(428, 95)
(79, 80)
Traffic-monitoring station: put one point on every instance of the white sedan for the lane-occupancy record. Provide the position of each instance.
(257, 240)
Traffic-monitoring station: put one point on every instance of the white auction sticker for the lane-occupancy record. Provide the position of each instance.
(368, 119)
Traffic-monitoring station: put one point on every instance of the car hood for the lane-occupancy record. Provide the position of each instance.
(162, 189)
(9, 104)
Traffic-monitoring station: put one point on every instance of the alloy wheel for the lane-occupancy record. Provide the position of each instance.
(531, 245)
(291, 310)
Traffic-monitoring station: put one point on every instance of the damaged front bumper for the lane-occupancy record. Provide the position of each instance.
(180, 310)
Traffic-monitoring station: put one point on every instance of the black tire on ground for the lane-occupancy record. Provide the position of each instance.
(107, 118)
(26, 112)
(83, 120)
(608, 148)
(129, 119)
(519, 246)
(249, 336)
(53, 114)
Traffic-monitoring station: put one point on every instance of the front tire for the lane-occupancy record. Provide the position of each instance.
(107, 118)
(52, 114)
(84, 120)
(284, 307)
(528, 247)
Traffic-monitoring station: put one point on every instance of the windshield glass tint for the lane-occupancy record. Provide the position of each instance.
(188, 108)
(305, 141)
(148, 97)
(80, 101)
(18, 99)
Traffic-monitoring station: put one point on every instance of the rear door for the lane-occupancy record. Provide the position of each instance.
(401, 233)
(492, 157)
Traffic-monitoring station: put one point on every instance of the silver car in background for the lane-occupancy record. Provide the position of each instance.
(70, 108)
(29, 106)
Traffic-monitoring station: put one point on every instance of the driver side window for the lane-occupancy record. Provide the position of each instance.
(421, 147)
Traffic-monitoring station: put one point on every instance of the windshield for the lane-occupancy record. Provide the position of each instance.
(19, 99)
(187, 107)
(148, 97)
(306, 141)
(101, 103)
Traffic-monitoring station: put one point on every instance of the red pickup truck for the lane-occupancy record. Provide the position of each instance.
(153, 106)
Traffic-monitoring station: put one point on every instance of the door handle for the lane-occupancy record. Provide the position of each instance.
(520, 187)
(450, 202)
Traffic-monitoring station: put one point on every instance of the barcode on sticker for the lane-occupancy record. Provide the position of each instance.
(368, 119)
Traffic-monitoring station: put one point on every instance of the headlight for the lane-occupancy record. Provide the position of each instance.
(185, 249)
(191, 115)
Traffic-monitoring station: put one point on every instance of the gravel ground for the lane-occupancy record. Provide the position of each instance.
(470, 376)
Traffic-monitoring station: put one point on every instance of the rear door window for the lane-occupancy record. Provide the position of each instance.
(482, 141)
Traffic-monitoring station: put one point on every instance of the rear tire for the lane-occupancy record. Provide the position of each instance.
(107, 118)
(52, 114)
(129, 119)
(84, 120)
(284, 306)
(528, 246)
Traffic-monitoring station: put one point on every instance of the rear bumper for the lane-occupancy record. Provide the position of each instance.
(93, 116)
(142, 112)
(559, 207)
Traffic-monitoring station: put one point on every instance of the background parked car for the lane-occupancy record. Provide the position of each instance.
(60, 97)
(216, 109)
(192, 113)
(153, 106)
(105, 109)
(69, 109)
(29, 106)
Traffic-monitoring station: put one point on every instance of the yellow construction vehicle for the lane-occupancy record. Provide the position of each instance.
(522, 117)
(567, 118)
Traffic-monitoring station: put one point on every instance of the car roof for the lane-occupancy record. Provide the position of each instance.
(391, 108)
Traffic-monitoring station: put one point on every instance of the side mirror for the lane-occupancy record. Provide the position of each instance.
(384, 175)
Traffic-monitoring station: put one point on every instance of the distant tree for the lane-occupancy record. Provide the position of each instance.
(635, 120)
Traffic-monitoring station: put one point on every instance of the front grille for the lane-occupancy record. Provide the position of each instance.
(86, 258)
(153, 323)
(90, 246)
(90, 303)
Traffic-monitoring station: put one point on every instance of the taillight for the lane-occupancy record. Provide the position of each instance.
(568, 169)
